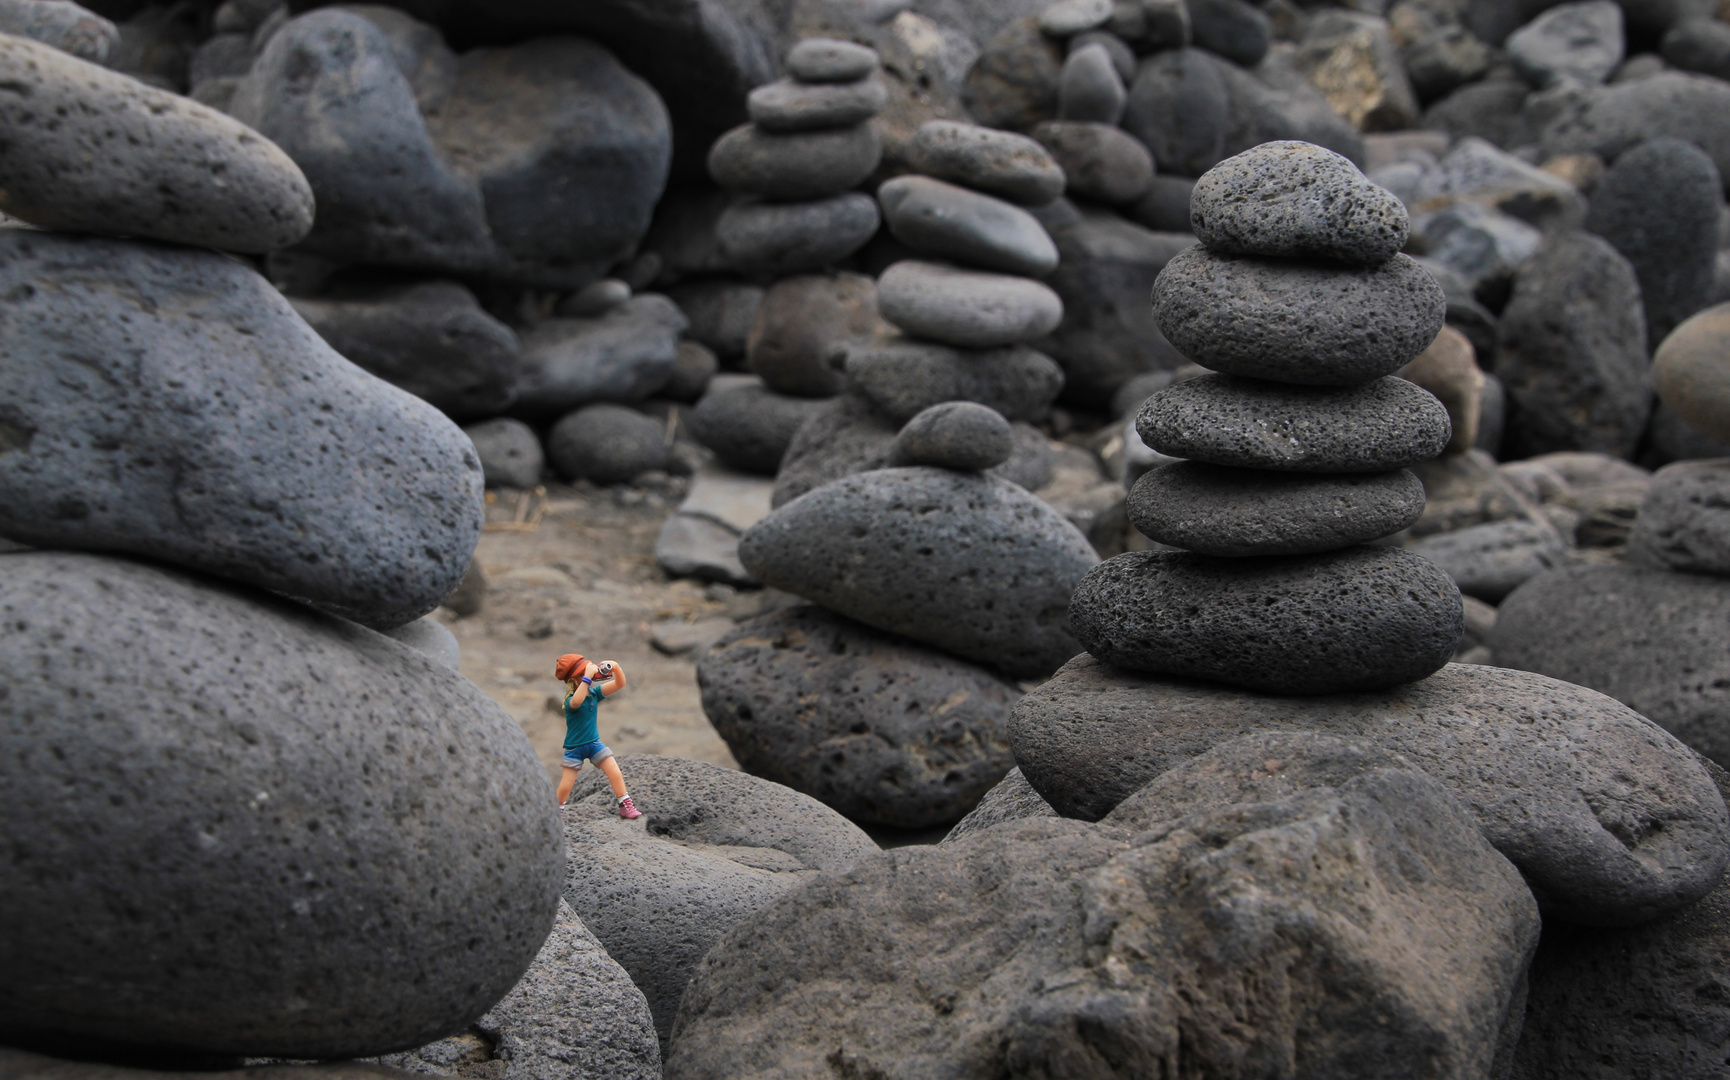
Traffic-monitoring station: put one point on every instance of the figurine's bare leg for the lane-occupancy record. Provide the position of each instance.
(568, 780)
(614, 777)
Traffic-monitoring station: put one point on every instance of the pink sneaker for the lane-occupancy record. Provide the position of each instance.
(628, 809)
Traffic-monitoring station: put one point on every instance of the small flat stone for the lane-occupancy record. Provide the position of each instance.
(1491, 560)
(796, 164)
(1102, 162)
(93, 150)
(1692, 370)
(1386, 424)
(1684, 521)
(1610, 819)
(828, 60)
(966, 308)
(1296, 200)
(1216, 510)
(951, 222)
(1071, 17)
(794, 238)
(1311, 323)
(1000, 162)
(692, 546)
(795, 106)
(1365, 618)
(595, 298)
(627, 354)
(676, 637)
(956, 435)
(902, 376)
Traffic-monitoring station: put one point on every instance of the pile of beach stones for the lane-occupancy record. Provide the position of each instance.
(243, 822)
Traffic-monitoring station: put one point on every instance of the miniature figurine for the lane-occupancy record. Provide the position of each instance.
(587, 684)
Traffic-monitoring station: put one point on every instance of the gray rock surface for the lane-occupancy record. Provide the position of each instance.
(1012, 799)
(1491, 560)
(1690, 374)
(902, 377)
(510, 452)
(960, 435)
(1684, 521)
(793, 106)
(720, 312)
(1091, 88)
(1608, 120)
(71, 28)
(23, 1065)
(1651, 639)
(1649, 206)
(750, 427)
(1611, 1003)
(1230, 28)
(769, 238)
(828, 60)
(713, 847)
(880, 729)
(1361, 618)
(971, 565)
(975, 229)
(92, 150)
(1296, 200)
(169, 403)
(796, 164)
(844, 435)
(432, 339)
(1297, 322)
(1610, 819)
(972, 309)
(1006, 933)
(1571, 352)
(694, 364)
(1216, 510)
(1571, 43)
(802, 326)
(256, 735)
(1101, 162)
(1013, 84)
(427, 635)
(691, 546)
(574, 1015)
(1698, 45)
(1000, 162)
(1165, 206)
(1387, 424)
(608, 444)
(626, 354)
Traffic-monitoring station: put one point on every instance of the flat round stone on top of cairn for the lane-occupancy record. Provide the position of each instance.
(1290, 472)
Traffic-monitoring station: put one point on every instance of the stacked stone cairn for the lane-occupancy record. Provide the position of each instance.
(810, 142)
(240, 823)
(1102, 163)
(964, 322)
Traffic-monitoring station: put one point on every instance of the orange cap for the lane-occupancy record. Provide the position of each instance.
(568, 663)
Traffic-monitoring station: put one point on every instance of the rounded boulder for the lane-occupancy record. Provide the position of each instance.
(608, 444)
(958, 435)
(967, 308)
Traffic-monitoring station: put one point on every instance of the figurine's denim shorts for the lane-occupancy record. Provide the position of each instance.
(596, 752)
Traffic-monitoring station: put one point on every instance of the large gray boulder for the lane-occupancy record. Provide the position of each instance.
(574, 1015)
(1611, 820)
(713, 847)
(92, 150)
(1649, 638)
(1307, 936)
(969, 564)
(335, 845)
(625, 354)
(170, 403)
(432, 338)
(1608, 120)
(871, 725)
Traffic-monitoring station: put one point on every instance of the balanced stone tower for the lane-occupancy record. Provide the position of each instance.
(1294, 447)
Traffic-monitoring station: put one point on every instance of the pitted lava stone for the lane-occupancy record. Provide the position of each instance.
(1360, 619)
(1296, 200)
(959, 435)
(1218, 510)
(1297, 321)
(1388, 424)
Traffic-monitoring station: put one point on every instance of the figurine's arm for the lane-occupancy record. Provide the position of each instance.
(581, 693)
(614, 684)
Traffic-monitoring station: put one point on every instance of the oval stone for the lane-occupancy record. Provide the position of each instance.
(793, 106)
(1610, 819)
(1218, 510)
(1296, 200)
(1364, 618)
(829, 60)
(958, 435)
(972, 309)
(795, 164)
(902, 376)
(93, 150)
(1388, 424)
(1001, 162)
(319, 842)
(793, 238)
(1692, 370)
(1310, 323)
(952, 222)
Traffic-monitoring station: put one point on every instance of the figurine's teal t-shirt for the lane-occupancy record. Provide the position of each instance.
(580, 726)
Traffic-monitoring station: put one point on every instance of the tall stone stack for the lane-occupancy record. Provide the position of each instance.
(1295, 446)
(332, 844)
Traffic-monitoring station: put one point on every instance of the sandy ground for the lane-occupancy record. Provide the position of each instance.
(573, 570)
